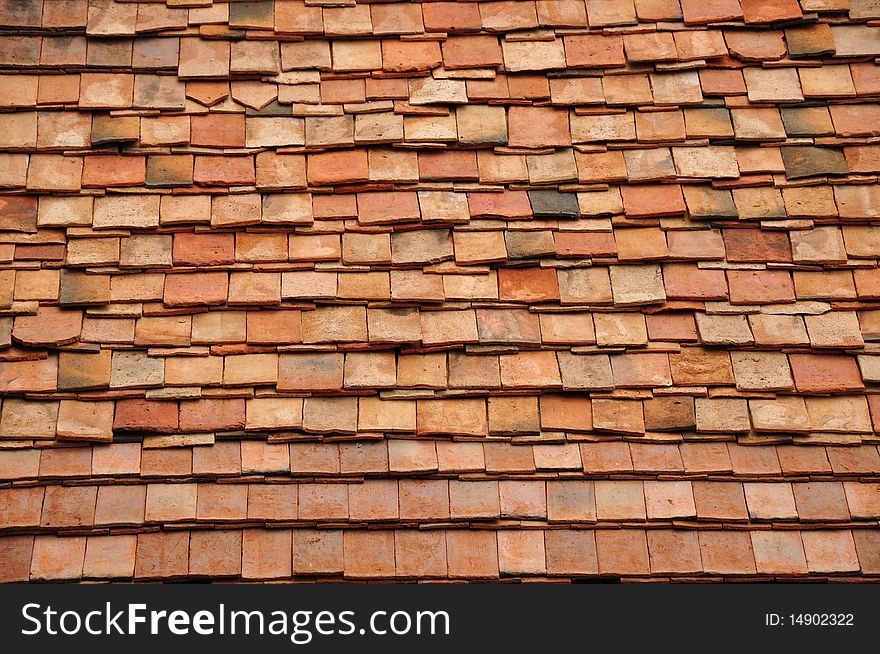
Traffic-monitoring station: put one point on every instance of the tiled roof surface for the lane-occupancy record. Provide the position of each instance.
(534, 289)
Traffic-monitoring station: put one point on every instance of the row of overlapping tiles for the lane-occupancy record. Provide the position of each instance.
(845, 419)
(469, 554)
(161, 457)
(87, 507)
(350, 17)
(196, 139)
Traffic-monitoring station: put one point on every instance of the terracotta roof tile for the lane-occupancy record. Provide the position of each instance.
(779, 552)
(521, 552)
(622, 552)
